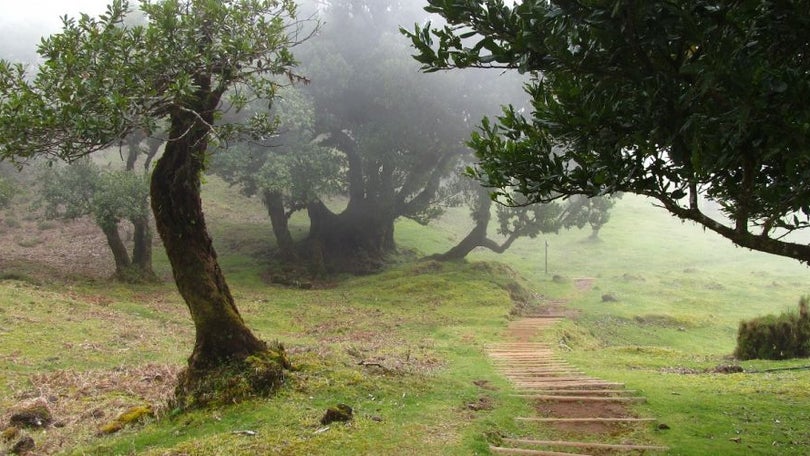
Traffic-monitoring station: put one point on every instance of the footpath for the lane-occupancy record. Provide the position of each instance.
(591, 413)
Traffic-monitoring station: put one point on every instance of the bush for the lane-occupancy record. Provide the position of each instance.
(775, 337)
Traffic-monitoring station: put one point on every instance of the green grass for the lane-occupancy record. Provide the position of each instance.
(681, 294)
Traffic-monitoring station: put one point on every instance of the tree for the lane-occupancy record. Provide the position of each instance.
(288, 171)
(682, 102)
(521, 220)
(399, 133)
(102, 79)
(109, 196)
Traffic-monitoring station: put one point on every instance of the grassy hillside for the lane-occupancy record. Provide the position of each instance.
(405, 348)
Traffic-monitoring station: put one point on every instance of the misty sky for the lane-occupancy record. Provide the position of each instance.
(23, 22)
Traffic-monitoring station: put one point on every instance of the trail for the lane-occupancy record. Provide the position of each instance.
(591, 413)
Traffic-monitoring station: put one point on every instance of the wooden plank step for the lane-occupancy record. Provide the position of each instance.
(542, 373)
(560, 398)
(530, 363)
(577, 391)
(570, 384)
(576, 378)
(564, 443)
(522, 451)
(506, 364)
(591, 385)
(585, 420)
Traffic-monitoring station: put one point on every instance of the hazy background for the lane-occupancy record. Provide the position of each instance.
(23, 23)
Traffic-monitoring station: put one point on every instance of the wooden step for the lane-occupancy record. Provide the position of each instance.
(570, 384)
(595, 392)
(559, 398)
(522, 451)
(563, 443)
(585, 420)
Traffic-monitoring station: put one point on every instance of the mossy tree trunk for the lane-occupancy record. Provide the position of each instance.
(221, 334)
(142, 248)
(357, 240)
(477, 237)
(141, 266)
(274, 203)
(117, 247)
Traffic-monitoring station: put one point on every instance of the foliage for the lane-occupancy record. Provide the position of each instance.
(683, 102)
(771, 337)
(103, 78)
(83, 188)
(291, 163)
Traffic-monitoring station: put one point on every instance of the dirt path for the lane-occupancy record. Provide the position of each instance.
(590, 415)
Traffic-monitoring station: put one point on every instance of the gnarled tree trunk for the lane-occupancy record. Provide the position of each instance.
(142, 248)
(119, 250)
(477, 237)
(356, 240)
(274, 203)
(221, 334)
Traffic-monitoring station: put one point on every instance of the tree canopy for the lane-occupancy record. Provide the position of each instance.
(686, 102)
(104, 78)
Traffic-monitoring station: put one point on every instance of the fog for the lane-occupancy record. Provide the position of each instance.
(22, 24)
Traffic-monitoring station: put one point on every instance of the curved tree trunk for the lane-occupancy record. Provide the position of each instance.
(119, 250)
(356, 240)
(477, 237)
(221, 334)
(274, 203)
(142, 247)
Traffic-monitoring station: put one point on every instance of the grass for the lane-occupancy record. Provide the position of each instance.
(404, 347)
(681, 295)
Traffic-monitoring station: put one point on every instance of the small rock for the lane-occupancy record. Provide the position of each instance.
(483, 403)
(736, 439)
(340, 412)
(663, 426)
(484, 384)
(609, 297)
(376, 418)
(24, 445)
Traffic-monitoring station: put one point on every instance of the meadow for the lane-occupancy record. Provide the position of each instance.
(405, 348)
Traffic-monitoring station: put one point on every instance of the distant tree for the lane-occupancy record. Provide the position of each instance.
(682, 102)
(288, 171)
(581, 210)
(399, 133)
(109, 197)
(521, 220)
(102, 79)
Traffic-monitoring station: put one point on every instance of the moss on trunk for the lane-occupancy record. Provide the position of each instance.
(223, 341)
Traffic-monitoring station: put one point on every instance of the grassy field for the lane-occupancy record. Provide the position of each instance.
(405, 348)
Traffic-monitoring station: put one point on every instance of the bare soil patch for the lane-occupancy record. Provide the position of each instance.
(54, 249)
(552, 409)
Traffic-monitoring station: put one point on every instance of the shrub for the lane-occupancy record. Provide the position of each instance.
(775, 337)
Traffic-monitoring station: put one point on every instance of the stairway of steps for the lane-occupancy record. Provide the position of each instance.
(564, 397)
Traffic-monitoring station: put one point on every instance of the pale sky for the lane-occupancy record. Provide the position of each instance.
(23, 22)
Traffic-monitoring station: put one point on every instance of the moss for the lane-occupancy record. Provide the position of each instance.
(340, 412)
(36, 415)
(258, 375)
(132, 416)
(9, 433)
